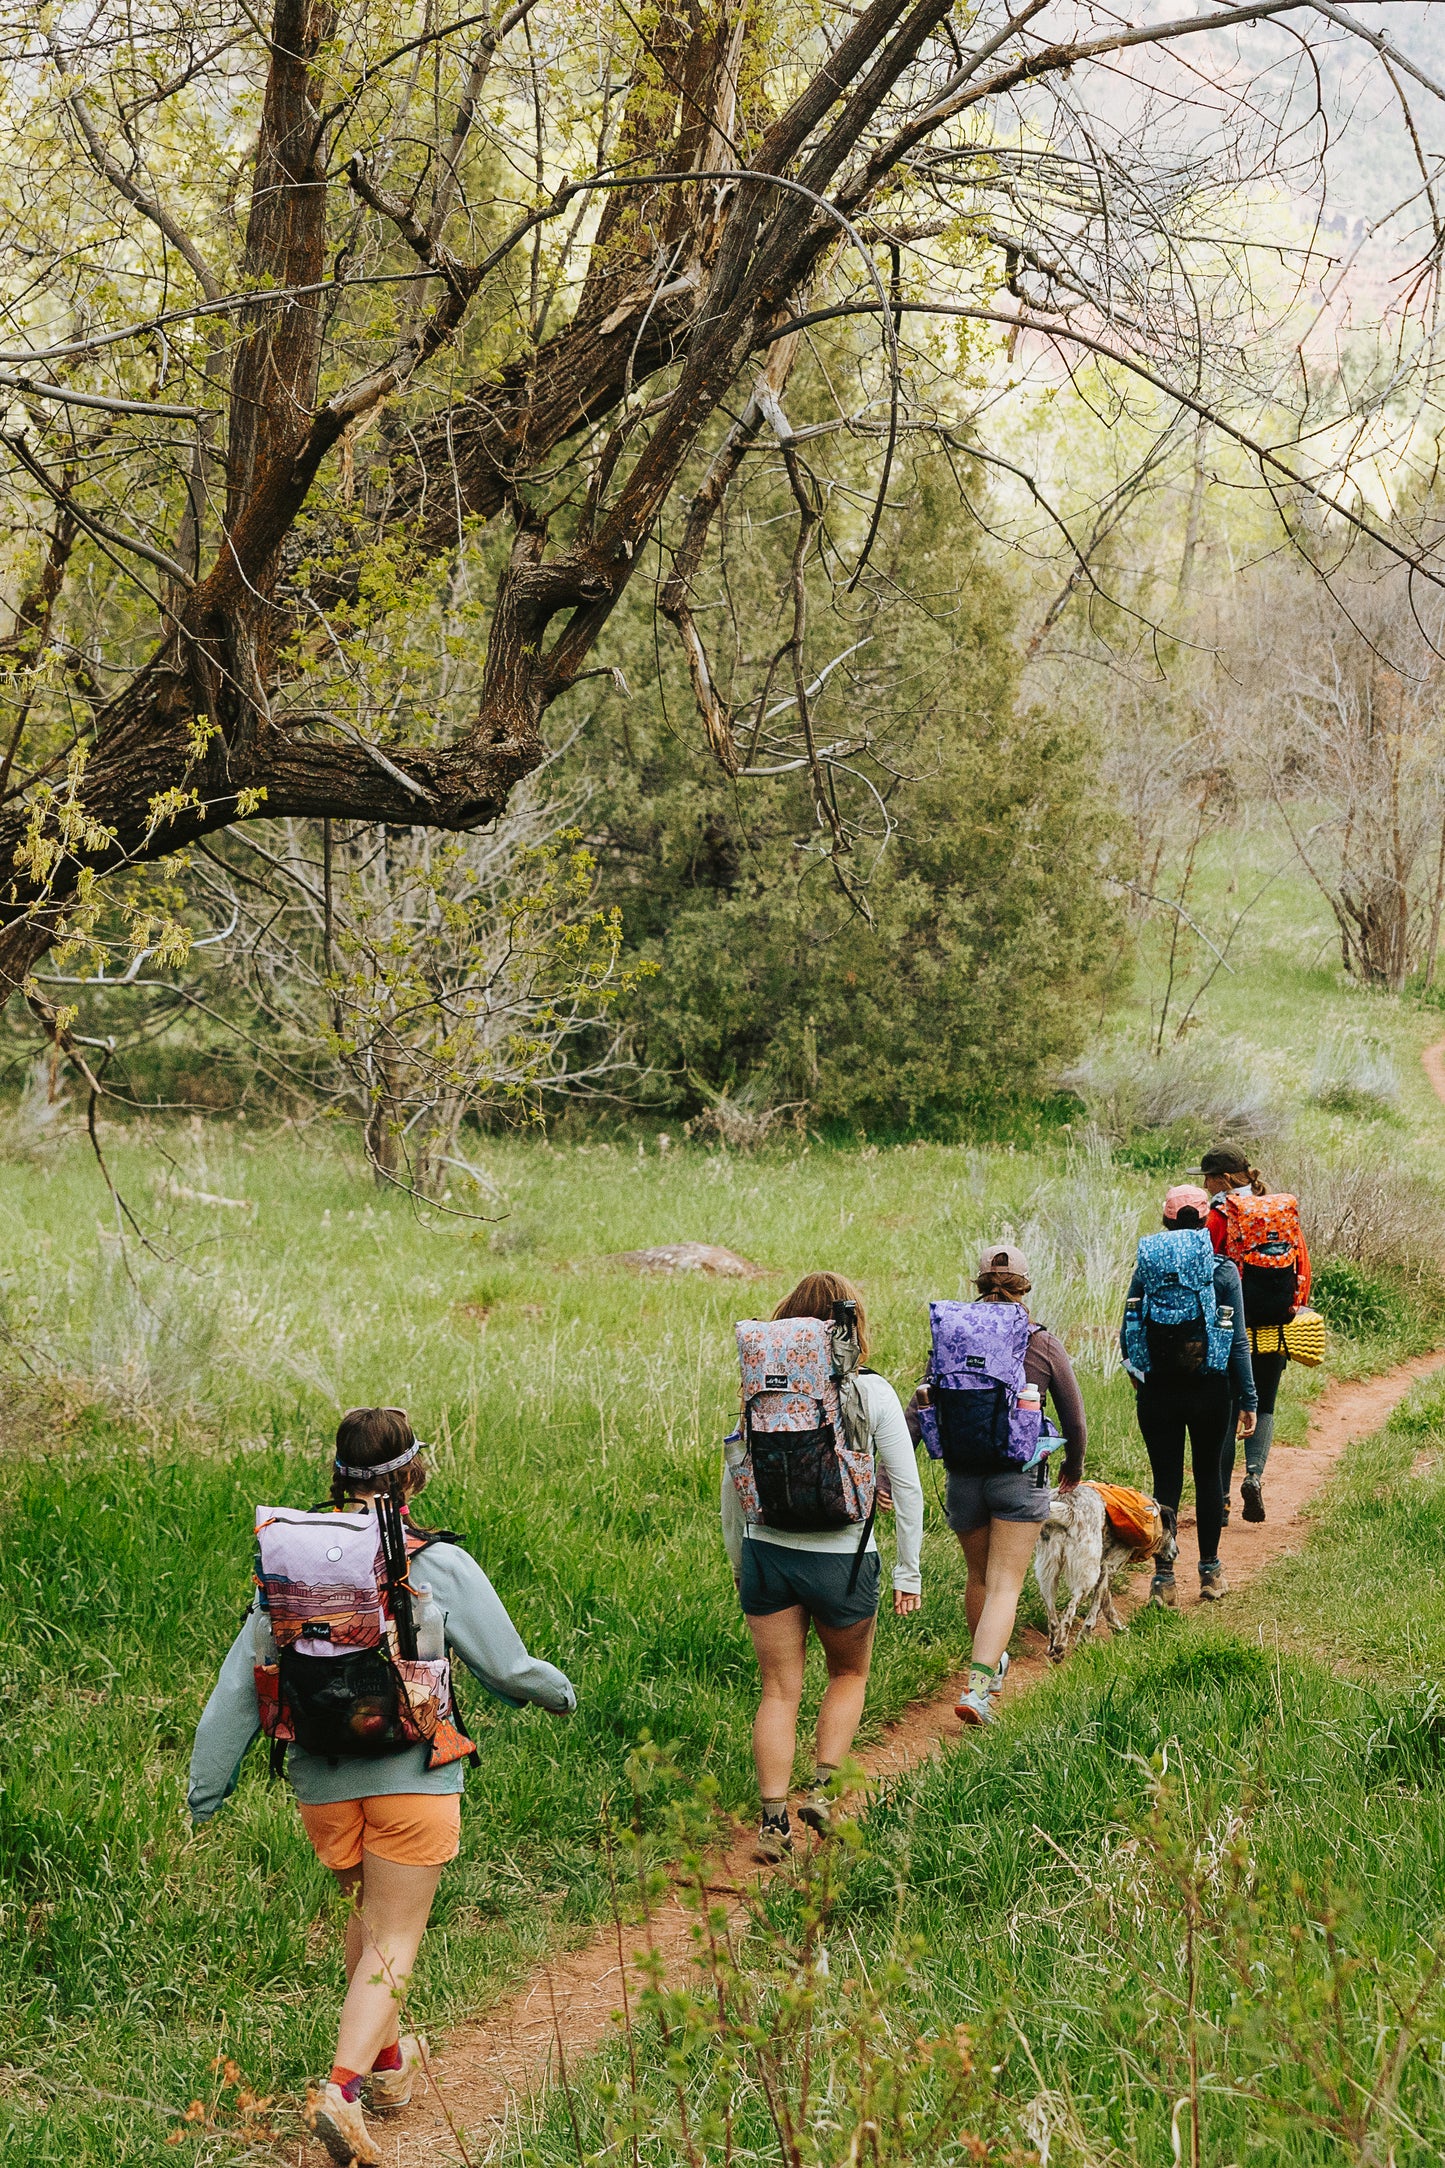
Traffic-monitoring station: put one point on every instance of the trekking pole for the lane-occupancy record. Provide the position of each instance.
(393, 1551)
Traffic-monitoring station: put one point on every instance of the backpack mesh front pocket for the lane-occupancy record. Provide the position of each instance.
(1176, 1350)
(345, 1708)
(799, 1480)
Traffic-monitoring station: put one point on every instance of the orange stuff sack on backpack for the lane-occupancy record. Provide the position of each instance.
(1135, 1519)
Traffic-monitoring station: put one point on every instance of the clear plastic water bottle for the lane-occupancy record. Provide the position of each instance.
(263, 1641)
(431, 1628)
(1031, 1400)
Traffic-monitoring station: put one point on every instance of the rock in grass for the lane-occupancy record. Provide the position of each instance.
(674, 1257)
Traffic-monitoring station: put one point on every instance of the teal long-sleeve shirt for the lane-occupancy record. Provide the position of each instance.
(478, 1630)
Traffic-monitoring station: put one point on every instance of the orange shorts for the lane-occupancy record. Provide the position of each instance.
(416, 1829)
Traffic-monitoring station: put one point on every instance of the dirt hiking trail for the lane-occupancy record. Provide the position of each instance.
(490, 2070)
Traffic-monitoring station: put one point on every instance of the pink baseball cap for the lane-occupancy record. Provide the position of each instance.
(1185, 1196)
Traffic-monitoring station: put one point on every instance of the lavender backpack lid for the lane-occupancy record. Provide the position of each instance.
(978, 1345)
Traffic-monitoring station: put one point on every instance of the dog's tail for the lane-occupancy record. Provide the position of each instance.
(1166, 1550)
(1061, 1511)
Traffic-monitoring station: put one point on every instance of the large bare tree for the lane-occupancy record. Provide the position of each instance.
(295, 306)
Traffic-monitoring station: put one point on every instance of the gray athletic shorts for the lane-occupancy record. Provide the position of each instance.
(775, 1577)
(1019, 1494)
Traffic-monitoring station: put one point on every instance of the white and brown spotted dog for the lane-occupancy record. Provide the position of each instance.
(1078, 1546)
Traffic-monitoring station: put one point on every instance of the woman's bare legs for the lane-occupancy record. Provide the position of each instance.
(780, 1641)
(975, 1552)
(391, 1904)
(849, 1650)
(1010, 1551)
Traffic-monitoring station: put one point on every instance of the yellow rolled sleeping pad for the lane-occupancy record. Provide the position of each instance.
(1302, 1339)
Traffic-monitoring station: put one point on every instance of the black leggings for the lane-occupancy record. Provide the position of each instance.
(1268, 1370)
(1206, 1412)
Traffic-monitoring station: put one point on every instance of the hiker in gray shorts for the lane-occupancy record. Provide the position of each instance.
(996, 1517)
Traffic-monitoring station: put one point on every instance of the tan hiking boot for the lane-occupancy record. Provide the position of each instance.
(341, 2126)
(389, 2091)
(775, 1840)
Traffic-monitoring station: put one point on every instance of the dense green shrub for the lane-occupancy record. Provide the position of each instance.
(992, 938)
(1354, 1301)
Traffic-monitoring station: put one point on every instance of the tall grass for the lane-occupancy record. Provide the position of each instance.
(1355, 1073)
(1198, 1087)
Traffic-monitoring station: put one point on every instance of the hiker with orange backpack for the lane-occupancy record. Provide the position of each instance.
(800, 1492)
(342, 1662)
(1260, 1233)
(1184, 1346)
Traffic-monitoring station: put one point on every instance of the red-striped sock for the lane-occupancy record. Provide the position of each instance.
(348, 2081)
(389, 2058)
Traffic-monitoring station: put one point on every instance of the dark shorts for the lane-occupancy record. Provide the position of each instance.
(775, 1578)
(1016, 1495)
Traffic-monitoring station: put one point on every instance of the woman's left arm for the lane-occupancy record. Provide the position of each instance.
(894, 1450)
(1069, 1407)
(481, 1631)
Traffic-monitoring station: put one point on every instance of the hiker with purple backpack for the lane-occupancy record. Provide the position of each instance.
(800, 1492)
(980, 1411)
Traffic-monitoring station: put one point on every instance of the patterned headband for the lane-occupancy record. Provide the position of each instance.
(383, 1467)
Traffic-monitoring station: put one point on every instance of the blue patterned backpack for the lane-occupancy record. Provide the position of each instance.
(1172, 1329)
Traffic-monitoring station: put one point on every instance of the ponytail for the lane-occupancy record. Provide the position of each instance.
(1258, 1183)
(997, 1284)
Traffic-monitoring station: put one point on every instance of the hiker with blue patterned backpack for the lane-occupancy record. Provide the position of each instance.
(800, 1492)
(1187, 1352)
(980, 1411)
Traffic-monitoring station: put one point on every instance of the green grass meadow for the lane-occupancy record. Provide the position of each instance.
(153, 1397)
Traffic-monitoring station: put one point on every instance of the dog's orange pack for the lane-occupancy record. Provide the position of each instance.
(1134, 1518)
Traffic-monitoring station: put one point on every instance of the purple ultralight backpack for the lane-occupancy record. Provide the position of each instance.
(975, 1375)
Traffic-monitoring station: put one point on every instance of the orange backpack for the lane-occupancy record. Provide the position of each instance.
(1262, 1235)
(1135, 1519)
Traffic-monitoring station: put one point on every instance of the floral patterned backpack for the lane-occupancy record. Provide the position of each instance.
(806, 1464)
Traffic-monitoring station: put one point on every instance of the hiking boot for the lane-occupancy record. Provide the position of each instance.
(389, 2091)
(341, 2126)
(775, 1839)
(817, 1811)
(1162, 1590)
(1212, 1584)
(976, 1708)
(1252, 1493)
(998, 1678)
